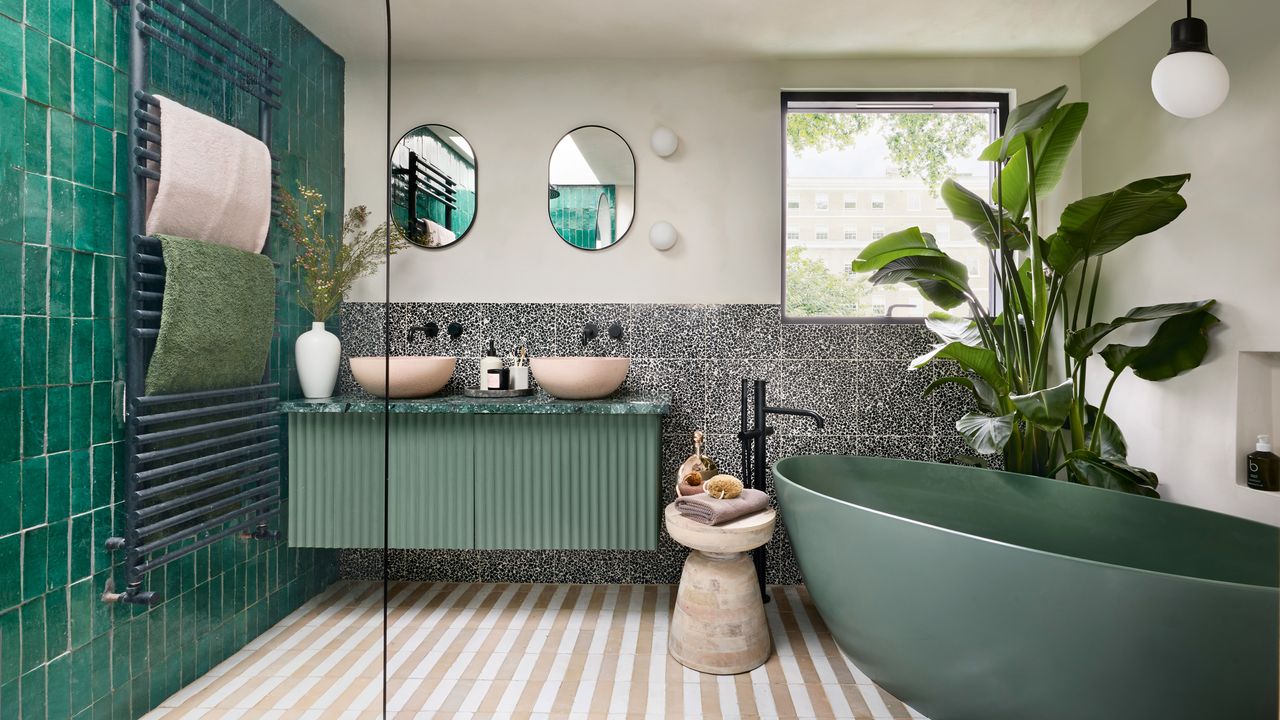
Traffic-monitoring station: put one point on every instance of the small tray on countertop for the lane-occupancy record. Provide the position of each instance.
(497, 394)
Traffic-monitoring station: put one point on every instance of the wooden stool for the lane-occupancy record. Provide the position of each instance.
(718, 626)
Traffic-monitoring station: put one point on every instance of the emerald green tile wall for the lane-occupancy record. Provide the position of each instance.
(574, 210)
(63, 652)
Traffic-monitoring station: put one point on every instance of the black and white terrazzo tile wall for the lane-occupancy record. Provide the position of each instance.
(855, 375)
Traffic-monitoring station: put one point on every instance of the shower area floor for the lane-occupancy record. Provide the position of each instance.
(469, 650)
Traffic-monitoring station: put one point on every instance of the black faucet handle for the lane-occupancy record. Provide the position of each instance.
(432, 329)
(454, 330)
(615, 330)
(590, 331)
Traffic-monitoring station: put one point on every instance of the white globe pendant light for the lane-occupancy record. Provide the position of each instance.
(1190, 81)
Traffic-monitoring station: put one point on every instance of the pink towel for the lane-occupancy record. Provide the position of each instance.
(215, 181)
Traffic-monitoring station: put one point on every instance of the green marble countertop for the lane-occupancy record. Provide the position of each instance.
(539, 404)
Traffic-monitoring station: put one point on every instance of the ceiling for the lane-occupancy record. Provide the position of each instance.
(713, 29)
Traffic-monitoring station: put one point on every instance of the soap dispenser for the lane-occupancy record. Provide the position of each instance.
(490, 361)
(1263, 467)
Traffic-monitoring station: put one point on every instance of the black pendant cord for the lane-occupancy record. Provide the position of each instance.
(1188, 8)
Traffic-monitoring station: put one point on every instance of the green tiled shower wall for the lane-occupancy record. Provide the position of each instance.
(573, 213)
(64, 653)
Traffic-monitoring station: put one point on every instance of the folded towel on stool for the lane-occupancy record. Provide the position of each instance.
(709, 511)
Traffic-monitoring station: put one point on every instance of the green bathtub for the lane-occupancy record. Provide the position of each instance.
(973, 594)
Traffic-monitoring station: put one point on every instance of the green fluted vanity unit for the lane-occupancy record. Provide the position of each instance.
(529, 473)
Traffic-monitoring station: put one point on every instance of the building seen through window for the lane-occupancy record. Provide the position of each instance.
(884, 159)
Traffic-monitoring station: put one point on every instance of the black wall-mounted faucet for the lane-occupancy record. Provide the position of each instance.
(430, 330)
(615, 330)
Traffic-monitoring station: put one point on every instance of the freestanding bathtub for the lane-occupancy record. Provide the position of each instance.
(973, 594)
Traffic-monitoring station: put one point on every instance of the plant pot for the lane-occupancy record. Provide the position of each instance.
(317, 354)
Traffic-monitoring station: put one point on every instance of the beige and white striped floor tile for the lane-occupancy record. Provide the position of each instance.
(483, 652)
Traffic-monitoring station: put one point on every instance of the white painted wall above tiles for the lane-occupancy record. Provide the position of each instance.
(721, 189)
(1224, 246)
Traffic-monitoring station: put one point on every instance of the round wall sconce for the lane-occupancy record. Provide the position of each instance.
(664, 141)
(1190, 81)
(662, 236)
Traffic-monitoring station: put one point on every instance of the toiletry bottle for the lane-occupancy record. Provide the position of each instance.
(490, 361)
(1263, 467)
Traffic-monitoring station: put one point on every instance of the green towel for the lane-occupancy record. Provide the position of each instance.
(217, 318)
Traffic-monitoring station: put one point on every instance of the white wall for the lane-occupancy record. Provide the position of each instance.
(721, 190)
(1225, 246)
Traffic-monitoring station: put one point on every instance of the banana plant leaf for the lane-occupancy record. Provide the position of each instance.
(954, 328)
(1028, 116)
(1099, 224)
(945, 282)
(1046, 408)
(1111, 442)
(1088, 468)
(903, 243)
(984, 433)
(1180, 344)
(977, 360)
(982, 393)
(1052, 144)
(981, 218)
(1080, 343)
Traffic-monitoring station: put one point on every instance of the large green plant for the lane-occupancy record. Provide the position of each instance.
(1042, 423)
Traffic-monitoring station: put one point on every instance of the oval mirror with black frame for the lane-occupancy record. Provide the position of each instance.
(591, 188)
(433, 186)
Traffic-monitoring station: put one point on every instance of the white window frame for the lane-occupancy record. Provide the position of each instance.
(821, 202)
(878, 201)
(821, 233)
(850, 201)
(850, 233)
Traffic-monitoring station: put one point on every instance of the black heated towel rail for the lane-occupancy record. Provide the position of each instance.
(421, 177)
(199, 466)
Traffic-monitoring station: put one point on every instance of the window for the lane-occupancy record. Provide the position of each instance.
(846, 145)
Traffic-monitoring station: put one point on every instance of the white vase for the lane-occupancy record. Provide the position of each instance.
(317, 354)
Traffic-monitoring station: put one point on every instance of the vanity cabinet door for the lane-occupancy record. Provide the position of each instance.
(567, 482)
(432, 494)
(336, 480)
